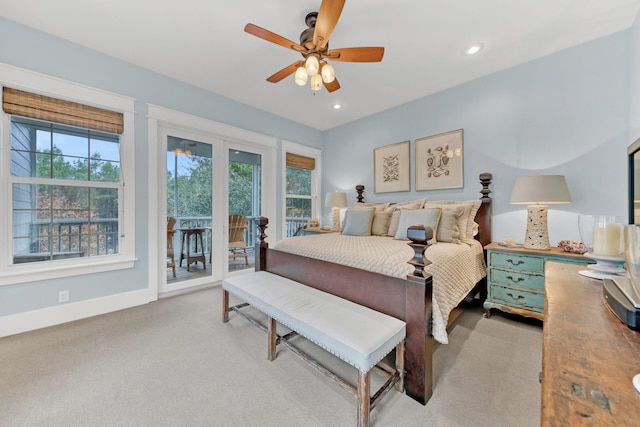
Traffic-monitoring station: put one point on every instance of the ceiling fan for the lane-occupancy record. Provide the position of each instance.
(314, 48)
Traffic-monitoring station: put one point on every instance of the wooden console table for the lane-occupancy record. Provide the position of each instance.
(588, 356)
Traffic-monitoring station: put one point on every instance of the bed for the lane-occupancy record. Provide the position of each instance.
(411, 292)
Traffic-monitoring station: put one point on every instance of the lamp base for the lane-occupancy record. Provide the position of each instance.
(537, 236)
(335, 217)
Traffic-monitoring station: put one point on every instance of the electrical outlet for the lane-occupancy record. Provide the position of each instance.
(63, 296)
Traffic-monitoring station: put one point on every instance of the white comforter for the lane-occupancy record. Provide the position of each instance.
(455, 268)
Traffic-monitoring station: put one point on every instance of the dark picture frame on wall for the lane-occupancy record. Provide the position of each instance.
(440, 161)
(391, 168)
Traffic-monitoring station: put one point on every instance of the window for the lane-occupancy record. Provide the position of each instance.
(301, 181)
(67, 194)
(66, 186)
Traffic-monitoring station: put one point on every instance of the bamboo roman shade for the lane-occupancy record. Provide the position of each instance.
(34, 106)
(302, 162)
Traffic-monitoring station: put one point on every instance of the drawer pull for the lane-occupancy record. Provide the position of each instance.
(515, 298)
(510, 261)
(520, 279)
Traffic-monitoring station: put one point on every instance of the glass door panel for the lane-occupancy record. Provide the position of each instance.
(244, 201)
(189, 209)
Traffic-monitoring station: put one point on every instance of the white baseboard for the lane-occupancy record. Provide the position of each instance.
(32, 320)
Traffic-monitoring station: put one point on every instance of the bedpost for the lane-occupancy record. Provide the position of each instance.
(261, 244)
(419, 236)
(418, 381)
(483, 217)
(418, 302)
(360, 190)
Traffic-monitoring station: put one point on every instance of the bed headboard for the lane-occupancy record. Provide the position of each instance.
(483, 217)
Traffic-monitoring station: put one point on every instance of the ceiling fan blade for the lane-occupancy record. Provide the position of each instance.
(328, 15)
(356, 54)
(333, 86)
(285, 72)
(273, 37)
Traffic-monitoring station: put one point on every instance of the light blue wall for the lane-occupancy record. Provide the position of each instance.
(24, 47)
(566, 113)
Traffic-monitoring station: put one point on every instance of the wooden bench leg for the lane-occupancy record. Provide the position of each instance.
(364, 398)
(400, 366)
(271, 339)
(225, 306)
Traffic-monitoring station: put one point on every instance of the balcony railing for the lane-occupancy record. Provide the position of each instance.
(68, 238)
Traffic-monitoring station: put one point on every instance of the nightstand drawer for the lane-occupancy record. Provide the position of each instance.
(518, 299)
(518, 279)
(520, 262)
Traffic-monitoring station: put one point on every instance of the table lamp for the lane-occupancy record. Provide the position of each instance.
(335, 200)
(537, 192)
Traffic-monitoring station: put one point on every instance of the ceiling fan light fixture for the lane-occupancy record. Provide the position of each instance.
(301, 76)
(328, 74)
(316, 82)
(312, 65)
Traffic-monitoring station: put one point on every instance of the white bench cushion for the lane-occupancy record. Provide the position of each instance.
(358, 335)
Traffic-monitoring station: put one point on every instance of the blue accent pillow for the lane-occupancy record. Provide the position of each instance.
(426, 217)
(358, 222)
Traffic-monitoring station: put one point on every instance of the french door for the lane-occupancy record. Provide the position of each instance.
(207, 180)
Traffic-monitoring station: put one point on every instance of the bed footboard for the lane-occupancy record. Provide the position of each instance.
(408, 300)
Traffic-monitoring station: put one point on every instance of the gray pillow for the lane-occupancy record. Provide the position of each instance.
(358, 222)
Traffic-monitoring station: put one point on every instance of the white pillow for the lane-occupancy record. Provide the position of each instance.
(466, 221)
(425, 217)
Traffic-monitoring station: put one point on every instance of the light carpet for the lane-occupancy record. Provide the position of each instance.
(174, 363)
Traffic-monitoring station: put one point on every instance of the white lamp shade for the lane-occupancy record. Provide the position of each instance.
(540, 189)
(327, 72)
(301, 76)
(312, 65)
(316, 82)
(336, 199)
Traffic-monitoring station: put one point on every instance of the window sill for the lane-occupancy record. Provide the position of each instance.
(31, 272)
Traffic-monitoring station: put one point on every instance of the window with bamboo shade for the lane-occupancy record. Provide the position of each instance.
(65, 181)
(34, 106)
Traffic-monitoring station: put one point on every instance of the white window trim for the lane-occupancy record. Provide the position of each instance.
(30, 81)
(316, 178)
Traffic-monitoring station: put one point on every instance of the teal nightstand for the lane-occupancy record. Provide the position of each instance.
(515, 278)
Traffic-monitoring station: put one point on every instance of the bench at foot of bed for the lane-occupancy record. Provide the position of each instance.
(356, 334)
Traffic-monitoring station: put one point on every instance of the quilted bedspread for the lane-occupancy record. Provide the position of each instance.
(455, 268)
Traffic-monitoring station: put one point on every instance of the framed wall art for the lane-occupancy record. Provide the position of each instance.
(439, 161)
(391, 166)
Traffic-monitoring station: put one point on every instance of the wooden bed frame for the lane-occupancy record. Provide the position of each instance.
(409, 300)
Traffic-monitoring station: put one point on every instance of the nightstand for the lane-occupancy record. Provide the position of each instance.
(515, 278)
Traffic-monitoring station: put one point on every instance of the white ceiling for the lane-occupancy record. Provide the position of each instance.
(202, 42)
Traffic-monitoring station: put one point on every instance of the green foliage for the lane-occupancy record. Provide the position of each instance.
(104, 202)
(194, 187)
(298, 181)
(240, 188)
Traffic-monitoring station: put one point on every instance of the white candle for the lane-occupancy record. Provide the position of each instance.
(606, 239)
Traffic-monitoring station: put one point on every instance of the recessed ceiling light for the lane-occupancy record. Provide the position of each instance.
(473, 49)
(337, 106)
